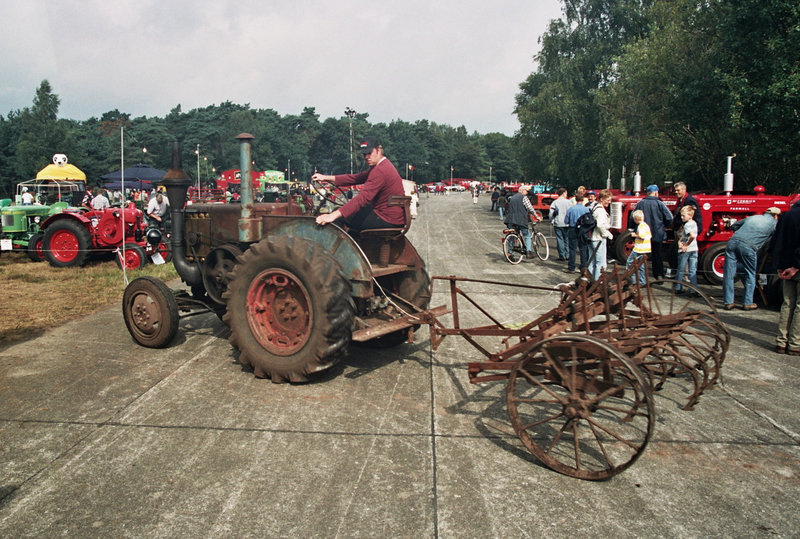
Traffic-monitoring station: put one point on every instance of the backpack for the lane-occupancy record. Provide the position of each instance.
(586, 223)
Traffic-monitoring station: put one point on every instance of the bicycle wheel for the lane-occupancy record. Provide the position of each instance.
(513, 248)
(540, 246)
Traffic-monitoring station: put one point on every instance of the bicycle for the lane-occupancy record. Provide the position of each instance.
(514, 242)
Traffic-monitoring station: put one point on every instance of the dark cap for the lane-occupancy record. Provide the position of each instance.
(652, 188)
(368, 144)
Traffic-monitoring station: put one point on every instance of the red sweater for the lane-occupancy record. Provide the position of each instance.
(380, 182)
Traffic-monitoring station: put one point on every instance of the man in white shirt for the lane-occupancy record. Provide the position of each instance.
(100, 202)
(157, 209)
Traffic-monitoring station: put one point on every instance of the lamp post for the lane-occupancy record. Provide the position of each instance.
(197, 152)
(350, 113)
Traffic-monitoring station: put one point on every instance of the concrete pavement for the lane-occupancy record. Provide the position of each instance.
(102, 438)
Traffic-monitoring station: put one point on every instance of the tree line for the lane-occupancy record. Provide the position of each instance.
(669, 88)
(297, 144)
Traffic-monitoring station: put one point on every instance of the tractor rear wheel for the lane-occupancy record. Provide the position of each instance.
(66, 244)
(35, 249)
(623, 245)
(289, 309)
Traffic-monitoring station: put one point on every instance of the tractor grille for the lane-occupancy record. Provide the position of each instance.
(8, 220)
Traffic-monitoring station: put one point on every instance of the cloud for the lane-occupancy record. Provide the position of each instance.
(452, 62)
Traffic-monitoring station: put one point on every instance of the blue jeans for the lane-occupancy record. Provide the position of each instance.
(740, 257)
(686, 259)
(562, 241)
(599, 261)
(641, 275)
(525, 232)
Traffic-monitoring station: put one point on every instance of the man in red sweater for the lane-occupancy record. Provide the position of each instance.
(370, 207)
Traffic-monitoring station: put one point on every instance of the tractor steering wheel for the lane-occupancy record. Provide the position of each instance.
(326, 196)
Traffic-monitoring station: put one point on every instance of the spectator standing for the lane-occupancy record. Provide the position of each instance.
(591, 198)
(502, 202)
(742, 249)
(657, 216)
(685, 199)
(575, 241)
(600, 234)
(785, 250)
(495, 196)
(642, 245)
(558, 214)
(687, 249)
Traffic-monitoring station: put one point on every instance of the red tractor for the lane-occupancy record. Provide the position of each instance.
(70, 237)
(718, 211)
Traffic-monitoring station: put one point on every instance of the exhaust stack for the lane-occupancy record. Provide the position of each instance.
(727, 182)
(177, 183)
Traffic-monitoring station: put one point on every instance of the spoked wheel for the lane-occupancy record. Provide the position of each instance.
(289, 309)
(540, 246)
(132, 257)
(513, 248)
(660, 298)
(150, 312)
(327, 195)
(217, 270)
(580, 406)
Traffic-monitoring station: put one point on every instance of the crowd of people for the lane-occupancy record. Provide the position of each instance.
(581, 226)
(155, 202)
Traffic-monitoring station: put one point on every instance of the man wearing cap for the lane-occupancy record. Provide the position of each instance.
(27, 197)
(370, 207)
(591, 198)
(519, 209)
(658, 217)
(749, 236)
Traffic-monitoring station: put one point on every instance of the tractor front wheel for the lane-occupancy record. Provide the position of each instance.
(36, 247)
(133, 256)
(150, 312)
(289, 309)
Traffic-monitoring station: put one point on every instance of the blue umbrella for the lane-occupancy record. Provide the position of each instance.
(139, 171)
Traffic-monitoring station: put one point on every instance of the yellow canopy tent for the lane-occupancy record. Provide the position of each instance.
(61, 172)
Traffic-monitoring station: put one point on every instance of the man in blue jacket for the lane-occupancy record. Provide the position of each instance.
(658, 217)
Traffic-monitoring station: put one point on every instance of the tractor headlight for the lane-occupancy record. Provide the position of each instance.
(37, 219)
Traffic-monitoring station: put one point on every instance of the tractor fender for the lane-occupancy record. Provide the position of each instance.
(74, 216)
(337, 243)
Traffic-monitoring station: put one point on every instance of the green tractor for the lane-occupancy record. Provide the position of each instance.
(19, 223)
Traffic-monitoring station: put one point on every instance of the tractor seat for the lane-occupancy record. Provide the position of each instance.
(386, 235)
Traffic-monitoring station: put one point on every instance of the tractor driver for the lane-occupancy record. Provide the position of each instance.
(370, 207)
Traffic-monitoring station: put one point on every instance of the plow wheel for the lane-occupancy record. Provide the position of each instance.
(289, 309)
(150, 312)
(660, 299)
(217, 270)
(580, 406)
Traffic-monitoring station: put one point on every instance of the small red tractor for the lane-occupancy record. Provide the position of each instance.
(718, 210)
(71, 236)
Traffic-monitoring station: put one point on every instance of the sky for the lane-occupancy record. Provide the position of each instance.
(455, 62)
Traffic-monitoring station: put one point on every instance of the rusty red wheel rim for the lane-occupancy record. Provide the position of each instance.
(279, 311)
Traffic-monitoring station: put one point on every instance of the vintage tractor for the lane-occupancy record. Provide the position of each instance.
(293, 293)
(70, 237)
(719, 211)
(21, 223)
